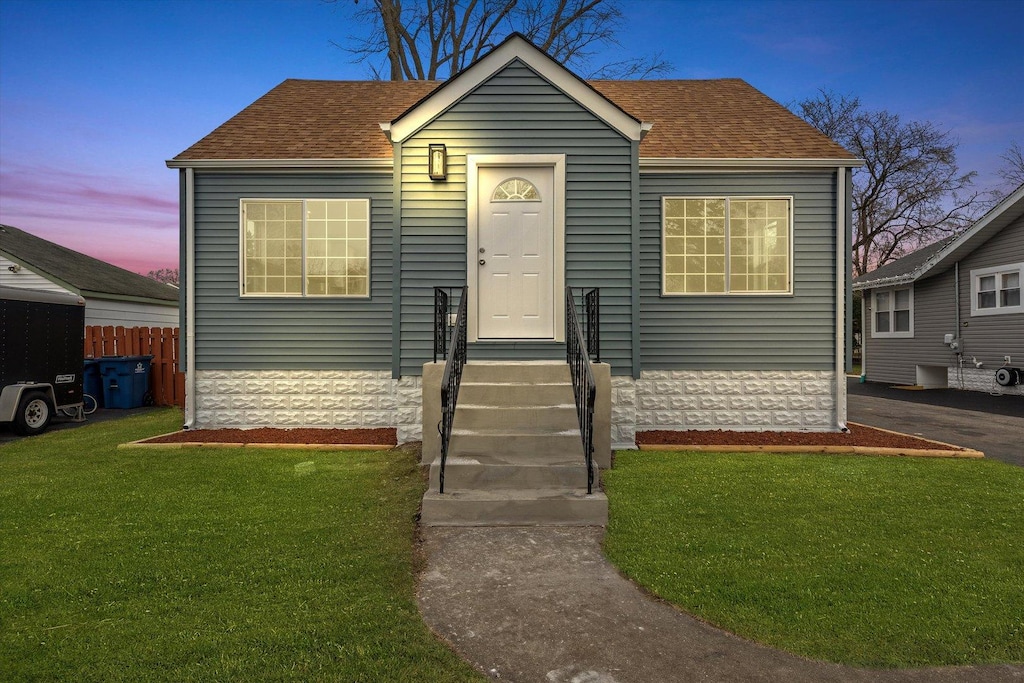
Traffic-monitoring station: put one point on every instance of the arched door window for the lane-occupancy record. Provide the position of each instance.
(515, 189)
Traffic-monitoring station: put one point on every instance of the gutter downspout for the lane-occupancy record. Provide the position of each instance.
(841, 258)
(190, 299)
(956, 296)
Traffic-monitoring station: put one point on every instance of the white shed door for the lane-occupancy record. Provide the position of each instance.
(515, 275)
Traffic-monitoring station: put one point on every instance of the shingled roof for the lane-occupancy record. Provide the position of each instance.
(693, 119)
(87, 275)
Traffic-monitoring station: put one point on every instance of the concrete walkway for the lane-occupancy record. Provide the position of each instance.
(541, 604)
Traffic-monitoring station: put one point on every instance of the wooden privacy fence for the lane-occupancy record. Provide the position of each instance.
(166, 381)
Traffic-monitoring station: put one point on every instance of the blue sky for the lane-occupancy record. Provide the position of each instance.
(96, 95)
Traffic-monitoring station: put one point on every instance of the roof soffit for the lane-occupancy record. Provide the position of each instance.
(515, 47)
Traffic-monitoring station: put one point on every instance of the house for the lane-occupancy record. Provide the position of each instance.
(950, 314)
(113, 296)
(317, 222)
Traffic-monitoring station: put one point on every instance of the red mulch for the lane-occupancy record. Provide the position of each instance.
(858, 435)
(384, 436)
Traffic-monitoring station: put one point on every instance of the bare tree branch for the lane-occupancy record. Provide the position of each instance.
(910, 191)
(1013, 166)
(431, 39)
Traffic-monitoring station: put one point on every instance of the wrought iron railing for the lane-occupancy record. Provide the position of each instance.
(452, 379)
(584, 387)
(441, 298)
(592, 322)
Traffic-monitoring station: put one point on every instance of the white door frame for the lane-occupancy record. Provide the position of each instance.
(473, 163)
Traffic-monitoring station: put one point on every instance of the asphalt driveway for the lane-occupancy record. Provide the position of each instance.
(991, 424)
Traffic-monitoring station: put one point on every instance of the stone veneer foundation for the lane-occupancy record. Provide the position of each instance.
(660, 399)
(339, 399)
(981, 379)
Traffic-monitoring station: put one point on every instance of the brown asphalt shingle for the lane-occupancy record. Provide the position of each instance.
(714, 119)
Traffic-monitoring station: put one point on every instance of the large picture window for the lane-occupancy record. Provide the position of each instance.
(727, 245)
(306, 247)
(995, 291)
(893, 312)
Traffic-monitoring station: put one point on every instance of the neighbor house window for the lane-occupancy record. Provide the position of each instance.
(727, 245)
(996, 291)
(306, 247)
(893, 312)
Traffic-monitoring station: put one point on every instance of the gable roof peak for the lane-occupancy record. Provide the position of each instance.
(515, 47)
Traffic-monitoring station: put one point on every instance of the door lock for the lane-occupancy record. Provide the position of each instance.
(482, 250)
(482, 262)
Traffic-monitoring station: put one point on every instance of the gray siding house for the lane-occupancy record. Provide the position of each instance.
(714, 222)
(950, 314)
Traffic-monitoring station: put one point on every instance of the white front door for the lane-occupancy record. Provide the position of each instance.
(515, 259)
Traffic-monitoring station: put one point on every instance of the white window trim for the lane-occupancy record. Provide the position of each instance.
(979, 273)
(727, 198)
(302, 295)
(892, 334)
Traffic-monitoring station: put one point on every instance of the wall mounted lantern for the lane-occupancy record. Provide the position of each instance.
(438, 162)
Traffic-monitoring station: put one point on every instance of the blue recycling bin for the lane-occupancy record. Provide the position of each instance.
(92, 384)
(125, 380)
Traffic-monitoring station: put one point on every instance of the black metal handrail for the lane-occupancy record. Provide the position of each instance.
(584, 387)
(451, 380)
(441, 298)
(592, 320)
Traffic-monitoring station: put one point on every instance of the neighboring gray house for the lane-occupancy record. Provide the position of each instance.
(113, 296)
(950, 313)
(714, 221)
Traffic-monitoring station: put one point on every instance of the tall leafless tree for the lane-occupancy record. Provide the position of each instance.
(910, 191)
(1012, 170)
(433, 39)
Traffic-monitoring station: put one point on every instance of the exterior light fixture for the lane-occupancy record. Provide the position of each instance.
(438, 162)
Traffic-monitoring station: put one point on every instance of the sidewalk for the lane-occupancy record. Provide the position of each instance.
(543, 604)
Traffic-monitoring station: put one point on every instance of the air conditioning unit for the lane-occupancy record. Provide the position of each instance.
(1007, 377)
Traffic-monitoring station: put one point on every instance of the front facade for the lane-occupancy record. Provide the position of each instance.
(712, 220)
(951, 314)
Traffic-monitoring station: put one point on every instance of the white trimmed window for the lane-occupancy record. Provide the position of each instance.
(996, 291)
(727, 245)
(305, 247)
(893, 312)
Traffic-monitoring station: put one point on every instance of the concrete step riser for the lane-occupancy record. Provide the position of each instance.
(462, 477)
(517, 420)
(549, 445)
(505, 373)
(592, 511)
(515, 395)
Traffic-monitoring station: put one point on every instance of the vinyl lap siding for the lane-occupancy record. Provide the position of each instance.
(991, 337)
(517, 112)
(236, 333)
(896, 360)
(736, 332)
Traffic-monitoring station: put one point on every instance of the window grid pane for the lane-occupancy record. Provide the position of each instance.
(337, 239)
(334, 237)
(273, 238)
(695, 256)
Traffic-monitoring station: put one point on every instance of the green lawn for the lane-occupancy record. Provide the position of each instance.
(208, 564)
(871, 561)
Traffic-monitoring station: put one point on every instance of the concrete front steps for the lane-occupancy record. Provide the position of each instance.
(515, 457)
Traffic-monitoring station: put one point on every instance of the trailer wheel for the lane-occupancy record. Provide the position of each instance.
(34, 413)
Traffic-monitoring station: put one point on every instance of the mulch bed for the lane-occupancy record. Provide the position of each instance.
(384, 436)
(859, 435)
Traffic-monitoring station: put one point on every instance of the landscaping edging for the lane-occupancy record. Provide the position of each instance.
(957, 452)
(146, 443)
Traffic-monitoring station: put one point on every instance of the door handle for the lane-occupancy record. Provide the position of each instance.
(482, 262)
